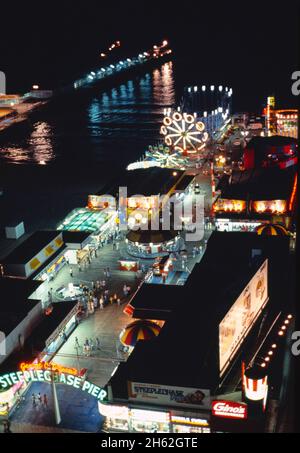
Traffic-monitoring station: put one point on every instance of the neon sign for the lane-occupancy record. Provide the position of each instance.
(48, 366)
(228, 409)
(27, 376)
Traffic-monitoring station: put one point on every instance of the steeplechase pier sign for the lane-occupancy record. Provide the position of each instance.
(10, 379)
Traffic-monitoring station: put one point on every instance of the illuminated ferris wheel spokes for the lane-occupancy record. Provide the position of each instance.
(184, 132)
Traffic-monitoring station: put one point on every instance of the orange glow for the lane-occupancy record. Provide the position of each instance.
(293, 196)
(270, 206)
(224, 205)
(47, 366)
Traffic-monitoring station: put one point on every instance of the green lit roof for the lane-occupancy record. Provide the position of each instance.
(84, 219)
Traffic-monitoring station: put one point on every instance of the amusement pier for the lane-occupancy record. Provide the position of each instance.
(166, 308)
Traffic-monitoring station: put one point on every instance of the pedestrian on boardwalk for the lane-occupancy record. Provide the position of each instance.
(119, 302)
(125, 291)
(92, 346)
(45, 400)
(95, 301)
(98, 343)
(71, 272)
(108, 272)
(104, 272)
(39, 397)
(77, 342)
(33, 400)
(101, 302)
(115, 297)
(111, 300)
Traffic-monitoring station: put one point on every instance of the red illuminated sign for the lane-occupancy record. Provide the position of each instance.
(228, 409)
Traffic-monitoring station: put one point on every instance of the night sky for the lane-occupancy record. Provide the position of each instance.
(252, 46)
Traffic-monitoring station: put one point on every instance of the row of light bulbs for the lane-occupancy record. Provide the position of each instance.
(281, 333)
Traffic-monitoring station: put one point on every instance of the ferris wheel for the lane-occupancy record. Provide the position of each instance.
(165, 158)
(184, 133)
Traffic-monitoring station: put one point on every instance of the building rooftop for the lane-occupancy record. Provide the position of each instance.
(152, 181)
(186, 353)
(30, 247)
(75, 237)
(259, 184)
(275, 140)
(15, 302)
(35, 343)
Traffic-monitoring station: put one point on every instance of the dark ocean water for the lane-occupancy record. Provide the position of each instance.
(76, 144)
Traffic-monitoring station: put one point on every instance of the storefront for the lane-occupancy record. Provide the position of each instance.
(192, 424)
(237, 225)
(128, 265)
(129, 419)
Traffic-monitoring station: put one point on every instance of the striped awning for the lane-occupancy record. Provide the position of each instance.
(139, 330)
(271, 230)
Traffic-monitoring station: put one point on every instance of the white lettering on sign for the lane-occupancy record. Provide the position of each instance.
(10, 379)
(229, 409)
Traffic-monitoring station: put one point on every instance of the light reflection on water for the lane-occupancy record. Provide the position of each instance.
(127, 116)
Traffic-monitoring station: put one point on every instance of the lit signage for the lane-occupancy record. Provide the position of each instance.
(228, 409)
(150, 416)
(270, 206)
(10, 379)
(110, 411)
(48, 366)
(168, 395)
(189, 421)
(244, 312)
(227, 205)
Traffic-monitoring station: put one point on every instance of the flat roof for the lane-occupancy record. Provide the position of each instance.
(14, 302)
(275, 140)
(75, 237)
(84, 220)
(186, 351)
(259, 184)
(184, 182)
(30, 247)
(146, 182)
(36, 341)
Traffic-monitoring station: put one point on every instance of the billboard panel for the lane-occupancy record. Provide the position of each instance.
(166, 395)
(237, 323)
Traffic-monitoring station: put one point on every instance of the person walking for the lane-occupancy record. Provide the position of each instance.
(71, 272)
(119, 302)
(98, 343)
(115, 297)
(111, 300)
(95, 301)
(33, 400)
(39, 397)
(101, 302)
(77, 345)
(92, 346)
(45, 400)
